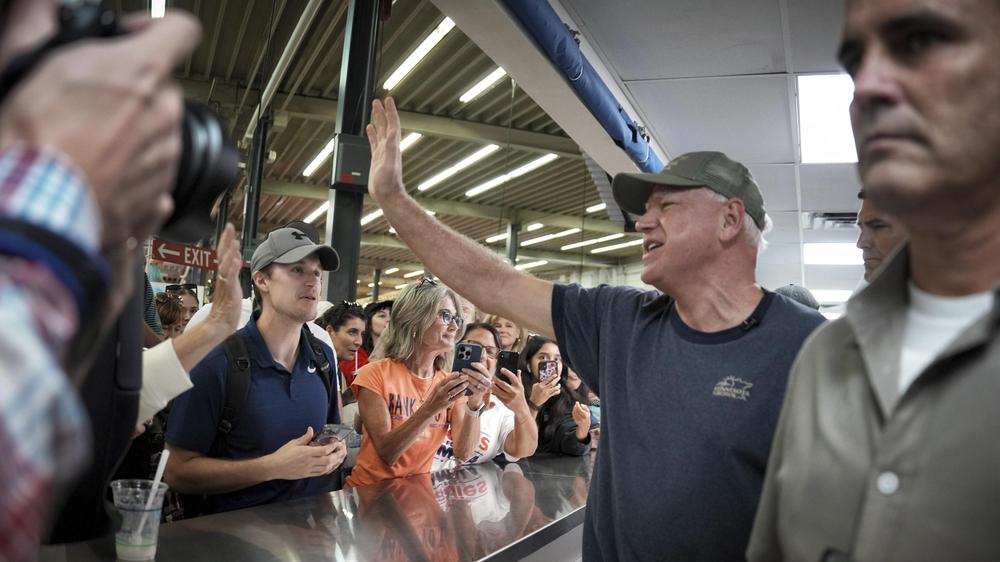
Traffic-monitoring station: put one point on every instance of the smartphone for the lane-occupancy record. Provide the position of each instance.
(507, 360)
(466, 354)
(331, 432)
(547, 370)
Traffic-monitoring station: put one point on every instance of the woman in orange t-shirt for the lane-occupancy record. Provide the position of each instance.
(405, 397)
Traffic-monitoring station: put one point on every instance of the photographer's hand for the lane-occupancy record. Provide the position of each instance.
(110, 106)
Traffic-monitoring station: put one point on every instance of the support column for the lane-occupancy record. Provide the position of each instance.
(351, 151)
(513, 230)
(377, 279)
(251, 207)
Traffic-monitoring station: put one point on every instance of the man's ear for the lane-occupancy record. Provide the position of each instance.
(259, 280)
(733, 215)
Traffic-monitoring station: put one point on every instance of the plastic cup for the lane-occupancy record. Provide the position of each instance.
(140, 527)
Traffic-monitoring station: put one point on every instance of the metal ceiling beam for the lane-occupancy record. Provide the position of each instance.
(284, 63)
(319, 109)
(319, 193)
(563, 258)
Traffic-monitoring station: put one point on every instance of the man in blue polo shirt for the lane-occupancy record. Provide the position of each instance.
(691, 376)
(267, 455)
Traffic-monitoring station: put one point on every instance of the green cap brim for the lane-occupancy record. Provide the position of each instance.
(631, 190)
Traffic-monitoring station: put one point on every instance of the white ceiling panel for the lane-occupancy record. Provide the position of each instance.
(747, 117)
(772, 276)
(777, 185)
(834, 276)
(786, 228)
(647, 39)
(829, 187)
(840, 235)
(781, 254)
(815, 34)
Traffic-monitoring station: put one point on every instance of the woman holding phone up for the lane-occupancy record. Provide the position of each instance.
(506, 424)
(563, 423)
(406, 399)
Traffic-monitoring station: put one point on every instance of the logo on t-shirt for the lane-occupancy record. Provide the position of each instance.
(733, 387)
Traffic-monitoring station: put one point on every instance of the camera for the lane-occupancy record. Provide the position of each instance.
(209, 161)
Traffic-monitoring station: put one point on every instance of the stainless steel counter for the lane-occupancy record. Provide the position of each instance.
(480, 512)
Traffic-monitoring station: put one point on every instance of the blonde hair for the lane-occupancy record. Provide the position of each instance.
(522, 333)
(414, 310)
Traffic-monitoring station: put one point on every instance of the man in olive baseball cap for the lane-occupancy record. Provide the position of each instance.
(713, 170)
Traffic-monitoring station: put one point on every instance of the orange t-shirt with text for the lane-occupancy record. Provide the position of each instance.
(404, 393)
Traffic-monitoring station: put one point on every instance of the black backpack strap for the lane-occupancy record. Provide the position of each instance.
(237, 387)
(328, 373)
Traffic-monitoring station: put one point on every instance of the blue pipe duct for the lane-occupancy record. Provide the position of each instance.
(551, 34)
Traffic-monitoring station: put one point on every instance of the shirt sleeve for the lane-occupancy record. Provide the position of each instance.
(163, 378)
(195, 414)
(369, 377)
(506, 429)
(43, 424)
(578, 315)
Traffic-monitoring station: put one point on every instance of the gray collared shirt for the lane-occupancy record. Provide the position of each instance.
(858, 471)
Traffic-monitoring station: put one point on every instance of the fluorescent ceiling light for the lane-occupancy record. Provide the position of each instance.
(504, 178)
(316, 214)
(824, 119)
(372, 285)
(482, 85)
(831, 315)
(461, 165)
(831, 296)
(419, 53)
(840, 253)
(597, 207)
(607, 238)
(390, 271)
(319, 159)
(398, 287)
(157, 8)
(530, 265)
(614, 247)
(548, 237)
(413, 274)
(534, 226)
(408, 141)
(371, 216)
(496, 238)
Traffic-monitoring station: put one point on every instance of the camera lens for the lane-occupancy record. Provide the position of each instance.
(208, 167)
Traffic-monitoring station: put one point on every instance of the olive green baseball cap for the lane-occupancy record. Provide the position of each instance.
(713, 170)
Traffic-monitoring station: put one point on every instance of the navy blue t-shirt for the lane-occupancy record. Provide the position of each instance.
(279, 407)
(687, 419)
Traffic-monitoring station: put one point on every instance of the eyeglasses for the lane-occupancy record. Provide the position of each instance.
(491, 352)
(192, 286)
(448, 318)
(427, 281)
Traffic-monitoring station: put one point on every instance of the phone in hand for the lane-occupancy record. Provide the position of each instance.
(547, 370)
(331, 432)
(466, 353)
(507, 360)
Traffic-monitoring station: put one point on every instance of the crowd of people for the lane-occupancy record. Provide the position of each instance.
(766, 432)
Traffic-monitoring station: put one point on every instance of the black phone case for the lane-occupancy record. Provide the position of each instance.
(507, 360)
(465, 355)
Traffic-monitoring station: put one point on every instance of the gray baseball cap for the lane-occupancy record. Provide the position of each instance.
(713, 170)
(289, 245)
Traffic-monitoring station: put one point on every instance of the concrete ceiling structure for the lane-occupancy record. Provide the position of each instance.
(699, 74)
(288, 53)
